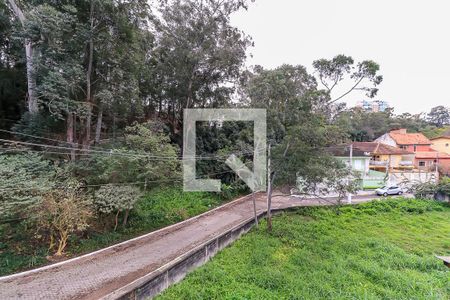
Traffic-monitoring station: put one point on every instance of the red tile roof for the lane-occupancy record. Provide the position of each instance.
(409, 138)
(379, 148)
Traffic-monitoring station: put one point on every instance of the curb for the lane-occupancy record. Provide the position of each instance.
(24, 273)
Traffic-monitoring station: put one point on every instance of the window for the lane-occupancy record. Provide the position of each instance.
(421, 164)
(446, 145)
(403, 147)
(415, 148)
(358, 165)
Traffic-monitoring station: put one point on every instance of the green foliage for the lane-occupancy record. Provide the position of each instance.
(167, 206)
(23, 179)
(37, 125)
(112, 198)
(145, 155)
(431, 189)
(156, 209)
(332, 71)
(115, 198)
(298, 127)
(433, 132)
(365, 126)
(439, 116)
(198, 53)
(379, 250)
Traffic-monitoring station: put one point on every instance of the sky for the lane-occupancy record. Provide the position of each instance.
(409, 39)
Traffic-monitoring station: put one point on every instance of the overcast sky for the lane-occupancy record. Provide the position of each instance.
(409, 39)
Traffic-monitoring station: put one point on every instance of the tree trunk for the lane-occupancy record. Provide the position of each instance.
(87, 137)
(70, 133)
(98, 128)
(31, 83)
(64, 235)
(125, 218)
(116, 220)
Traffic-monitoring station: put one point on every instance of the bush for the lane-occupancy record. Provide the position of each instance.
(429, 190)
(23, 180)
(115, 199)
(61, 213)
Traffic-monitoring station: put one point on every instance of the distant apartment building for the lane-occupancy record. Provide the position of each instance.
(373, 106)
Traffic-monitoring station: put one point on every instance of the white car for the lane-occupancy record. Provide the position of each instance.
(386, 191)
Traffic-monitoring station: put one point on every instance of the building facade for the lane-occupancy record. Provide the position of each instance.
(400, 138)
(373, 106)
(441, 144)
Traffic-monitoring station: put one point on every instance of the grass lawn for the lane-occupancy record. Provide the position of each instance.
(157, 209)
(378, 250)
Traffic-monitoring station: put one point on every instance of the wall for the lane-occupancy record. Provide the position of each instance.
(387, 140)
(154, 283)
(409, 177)
(374, 180)
(360, 164)
(418, 148)
(441, 145)
(393, 159)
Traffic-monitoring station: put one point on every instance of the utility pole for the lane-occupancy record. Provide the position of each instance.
(349, 196)
(254, 209)
(269, 192)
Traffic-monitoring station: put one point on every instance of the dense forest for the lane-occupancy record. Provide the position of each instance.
(92, 94)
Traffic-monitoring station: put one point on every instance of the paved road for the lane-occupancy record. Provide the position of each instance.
(97, 274)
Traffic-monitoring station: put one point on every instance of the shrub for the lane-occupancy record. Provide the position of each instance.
(114, 199)
(428, 190)
(23, 180)
(61, 213)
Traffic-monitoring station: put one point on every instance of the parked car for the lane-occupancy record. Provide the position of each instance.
(391, 190)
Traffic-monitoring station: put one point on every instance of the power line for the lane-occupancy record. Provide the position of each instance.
(101, 149)
(45, 138)
(114, 152)
(175, 179)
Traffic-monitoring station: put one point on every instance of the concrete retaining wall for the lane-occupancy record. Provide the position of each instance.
(173, 272)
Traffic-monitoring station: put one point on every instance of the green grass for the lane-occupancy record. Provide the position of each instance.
(157, 209)
(379, 250)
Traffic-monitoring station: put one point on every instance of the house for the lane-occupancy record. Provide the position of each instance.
(360, 162)
(385, 158)
(360, 159)
(441, 143)
(400, 138)
(430, 161)
(374, 161)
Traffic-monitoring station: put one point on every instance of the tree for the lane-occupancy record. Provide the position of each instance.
(29, 54)
(62, 212)
(23, 180)
(90, 61)
(13, 86)
(198, 57)
(114, 199)
(439, 116)
(146, 155)
(364, 75)
(298, 131)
